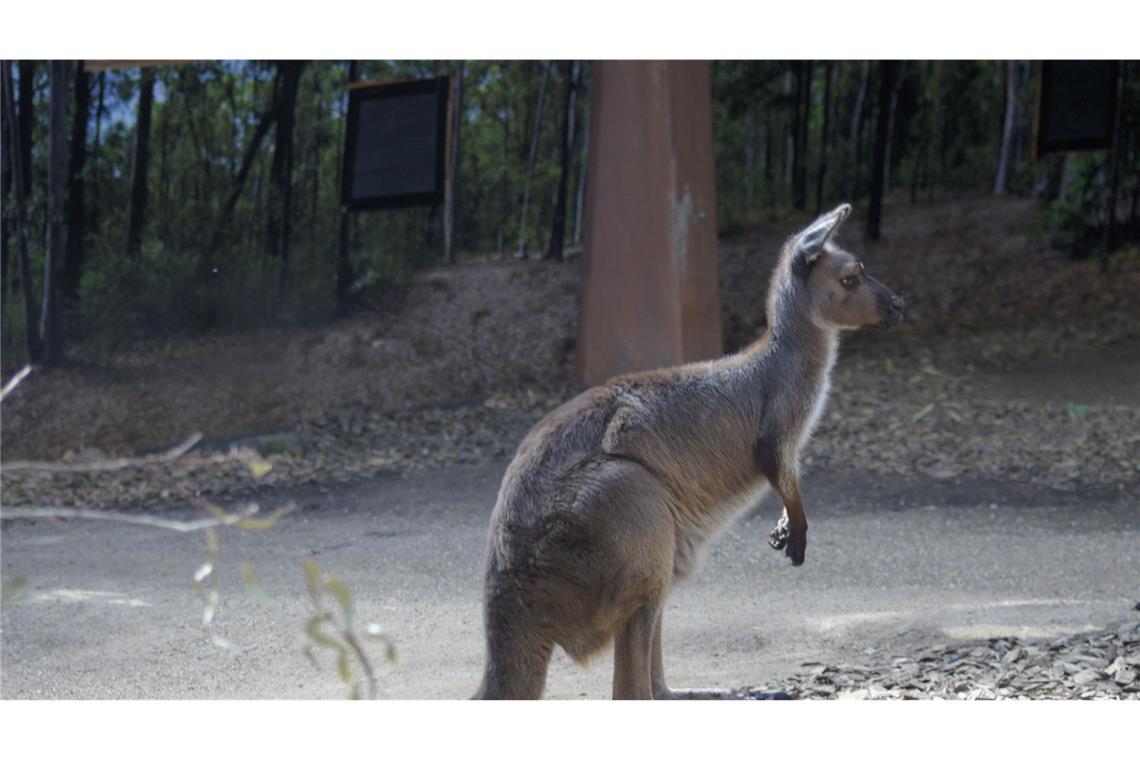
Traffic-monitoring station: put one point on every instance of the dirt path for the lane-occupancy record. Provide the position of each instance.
(982, 293)
(893, 564)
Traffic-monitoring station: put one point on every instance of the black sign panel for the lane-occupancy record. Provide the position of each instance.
(394, 144)
(1078, 105)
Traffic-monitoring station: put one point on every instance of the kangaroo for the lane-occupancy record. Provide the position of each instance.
(612, 496)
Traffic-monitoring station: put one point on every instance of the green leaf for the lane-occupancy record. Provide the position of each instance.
(12, 588)
(343, 596)
(255, 590)
(922, 412)
(319, 637)
(313, 578)
(264, 523)
(344, 670)
(258, 467)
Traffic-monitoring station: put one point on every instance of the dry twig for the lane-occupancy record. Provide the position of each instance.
(16, 380)
(107, 465)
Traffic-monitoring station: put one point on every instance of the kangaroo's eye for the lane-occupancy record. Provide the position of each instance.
(850, 281)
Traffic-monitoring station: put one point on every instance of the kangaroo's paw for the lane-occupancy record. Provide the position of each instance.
(792, 538)
(778, 536)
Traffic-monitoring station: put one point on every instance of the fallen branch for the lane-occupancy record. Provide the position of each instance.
(16, 380)
(181, 526)
(106, 465)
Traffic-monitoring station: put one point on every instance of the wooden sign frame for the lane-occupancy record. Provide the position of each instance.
(361, 93)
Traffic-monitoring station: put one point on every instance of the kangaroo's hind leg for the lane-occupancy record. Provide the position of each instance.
(516, 663)
(633, 653)
(657, 677)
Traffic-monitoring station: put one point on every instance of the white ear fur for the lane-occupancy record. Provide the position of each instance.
(811, 240)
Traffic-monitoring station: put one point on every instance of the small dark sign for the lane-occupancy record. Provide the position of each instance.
(1077, 107)
(394, 144)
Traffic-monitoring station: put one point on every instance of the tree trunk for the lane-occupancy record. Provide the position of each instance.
(788, 159)
(824, 146)
(769, 132)
(558, 224)
(583, 171)
(1114, 162)
(96, 155)
(136, 213)
(76, 197)
(164, 176)
(937, 130)
(343, 261)
(1007, 129)
(453, 167)
(749, 157)
(920, 176)
(281, 172)
(504, 189)
(891, 138)
(6, 204)
(51, 318)
(536, 130)
(878, 166)
(855, 145)
(27, 121)
(268, 119)
(17, 151)
(1022, 121)
(918, 165)
(803, 119)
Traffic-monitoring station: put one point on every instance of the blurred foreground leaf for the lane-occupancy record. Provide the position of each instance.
(1078, 411)
(258, 467)
(12, 588)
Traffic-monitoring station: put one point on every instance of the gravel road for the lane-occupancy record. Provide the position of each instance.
(894, 566)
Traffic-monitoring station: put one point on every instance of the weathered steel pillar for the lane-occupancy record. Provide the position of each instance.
(649, 291)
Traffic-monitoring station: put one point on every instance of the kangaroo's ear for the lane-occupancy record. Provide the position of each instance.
(809, 244)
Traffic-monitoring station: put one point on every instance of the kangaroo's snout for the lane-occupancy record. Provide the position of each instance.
(890, 306)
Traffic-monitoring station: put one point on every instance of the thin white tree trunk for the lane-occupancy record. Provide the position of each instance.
(749, 157)
(1007, 128)
(856, 131)
(583, 173)
(790, 138)
(535, 132)
(891, 125)
(51, 328)
(452, 167)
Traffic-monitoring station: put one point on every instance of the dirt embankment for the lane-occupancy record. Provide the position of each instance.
(1012, 362)
(462, 332)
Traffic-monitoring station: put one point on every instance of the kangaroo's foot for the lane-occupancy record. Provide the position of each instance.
(790, 537)
(700, 694)
(719, 694)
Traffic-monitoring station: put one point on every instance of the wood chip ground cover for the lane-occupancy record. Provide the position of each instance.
(1094, 665)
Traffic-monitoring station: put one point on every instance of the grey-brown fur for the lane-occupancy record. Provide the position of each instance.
(612, 497)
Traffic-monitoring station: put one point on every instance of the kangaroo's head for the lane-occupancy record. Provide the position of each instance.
(819, 281)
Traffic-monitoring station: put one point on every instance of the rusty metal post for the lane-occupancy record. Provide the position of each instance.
(649, 294)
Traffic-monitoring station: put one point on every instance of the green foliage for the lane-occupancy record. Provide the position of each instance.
(204, 268)
(201, 269)
(1075, 219)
